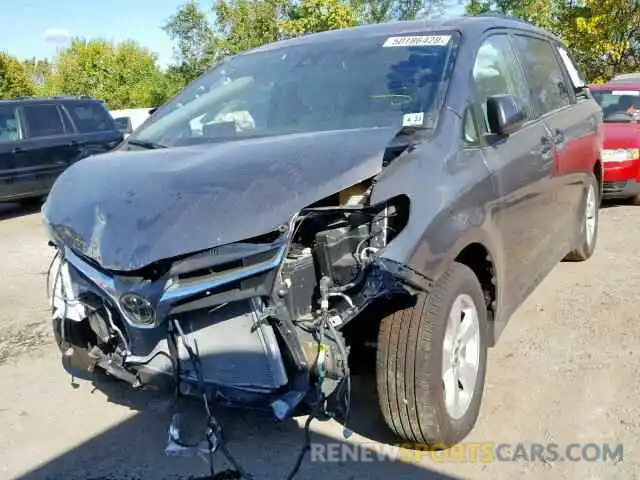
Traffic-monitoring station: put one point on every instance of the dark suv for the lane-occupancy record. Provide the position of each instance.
(404, 185)
(40, 137)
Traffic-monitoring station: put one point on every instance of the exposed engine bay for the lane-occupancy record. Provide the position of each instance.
(257, 323)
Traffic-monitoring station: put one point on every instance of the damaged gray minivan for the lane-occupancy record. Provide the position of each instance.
(404, 185)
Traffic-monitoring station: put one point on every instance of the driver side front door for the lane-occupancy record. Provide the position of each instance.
(521, 166)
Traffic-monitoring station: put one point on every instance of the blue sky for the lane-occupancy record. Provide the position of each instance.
(36, 28)
(24, 24)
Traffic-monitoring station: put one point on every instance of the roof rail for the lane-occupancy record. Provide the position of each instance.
(503, 15)
(72, 97)
(54, 97)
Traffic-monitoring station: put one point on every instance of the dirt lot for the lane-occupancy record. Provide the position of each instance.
(565, 371)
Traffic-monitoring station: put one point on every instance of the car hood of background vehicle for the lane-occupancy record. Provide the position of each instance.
(621, 135)
(128, 209)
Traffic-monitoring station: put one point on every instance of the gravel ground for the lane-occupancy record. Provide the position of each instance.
(565, 371)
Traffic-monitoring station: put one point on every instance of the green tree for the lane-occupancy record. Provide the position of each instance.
(603, 34)
(14, 78)
(241, 25)
(195, 51)
(372, 11)
(124, 75)
(38, 70)
(378, 11)
(544, 13)
(245, 24)
(312, 16)
(170, 83)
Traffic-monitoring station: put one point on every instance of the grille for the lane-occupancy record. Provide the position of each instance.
(614, 186)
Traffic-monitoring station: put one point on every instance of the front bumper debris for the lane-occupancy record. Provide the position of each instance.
(257, 324)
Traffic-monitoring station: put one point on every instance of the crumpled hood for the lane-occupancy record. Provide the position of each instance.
(127, 209)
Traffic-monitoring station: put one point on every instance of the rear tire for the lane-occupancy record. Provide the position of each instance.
(588, 225)
(417, 371)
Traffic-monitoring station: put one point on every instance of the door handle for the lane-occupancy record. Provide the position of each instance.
(19, 150)
(558, 137)
(546, 148)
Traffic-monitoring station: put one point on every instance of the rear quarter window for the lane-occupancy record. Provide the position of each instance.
(544, 74)
(43, 120)
(10, 130)
(90, 117)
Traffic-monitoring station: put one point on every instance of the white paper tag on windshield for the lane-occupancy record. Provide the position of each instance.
(633, 93)
(413, 119)
(417, 41)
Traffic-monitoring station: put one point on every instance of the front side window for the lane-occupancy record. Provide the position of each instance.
(9, 124)
(363, 82)
(618, 105)
(544, 73)
(496, 72)
(90, 117)
(43, 120)
(577, 77)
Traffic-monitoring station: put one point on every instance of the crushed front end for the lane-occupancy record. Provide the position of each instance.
(255, 323)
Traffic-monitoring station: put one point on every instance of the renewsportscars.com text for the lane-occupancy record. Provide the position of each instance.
(470, 453)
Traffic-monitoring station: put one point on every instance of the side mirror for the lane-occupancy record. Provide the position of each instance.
(506, 114)
(124, 125)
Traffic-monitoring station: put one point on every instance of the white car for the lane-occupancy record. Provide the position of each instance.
(130, 119)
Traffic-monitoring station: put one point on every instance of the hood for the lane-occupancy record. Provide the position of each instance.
(128, 209)
(621, 135)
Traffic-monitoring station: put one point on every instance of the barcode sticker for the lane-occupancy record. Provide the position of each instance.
(418, 41)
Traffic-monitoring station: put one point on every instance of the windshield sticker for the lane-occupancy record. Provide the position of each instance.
(413, 119)
(634, 93)
(418, 41)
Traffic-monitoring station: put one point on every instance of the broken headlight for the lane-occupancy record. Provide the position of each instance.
(138, 309)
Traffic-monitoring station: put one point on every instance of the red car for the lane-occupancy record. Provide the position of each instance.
(620, 102)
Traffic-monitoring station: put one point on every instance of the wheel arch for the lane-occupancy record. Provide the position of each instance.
(476, 250)
(598, 171)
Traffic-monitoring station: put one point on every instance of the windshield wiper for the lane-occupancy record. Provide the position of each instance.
(411, 130)
(145, 144)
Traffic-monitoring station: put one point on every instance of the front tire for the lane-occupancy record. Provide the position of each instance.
(431, 362)
(588, 225)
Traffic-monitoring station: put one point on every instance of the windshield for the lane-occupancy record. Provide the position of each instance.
(619, 105)
(365, 82)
